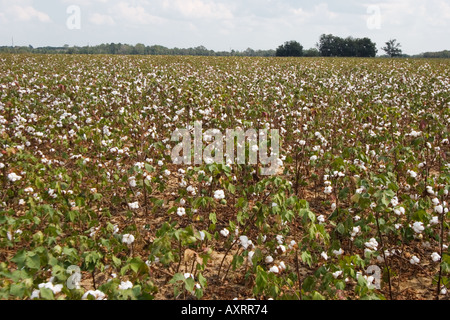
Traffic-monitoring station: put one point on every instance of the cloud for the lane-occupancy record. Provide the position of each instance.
(318, 13)
(26, 13)
(198, 9)
(134, 14)
(101, 19)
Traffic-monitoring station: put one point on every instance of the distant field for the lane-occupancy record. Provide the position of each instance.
(92, 206)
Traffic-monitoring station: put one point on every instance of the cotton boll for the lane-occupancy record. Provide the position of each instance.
(435, 257)
(128, 239)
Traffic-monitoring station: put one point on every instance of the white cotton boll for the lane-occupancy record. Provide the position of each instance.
(125, 285)
(337, 274)
(13, 177)
(324, 255)
(244, 242)
(338, 252)
(328, 190)
(282, 266)
(225, 233)
(280, 239)
(268, 259)
(97, 295)
(281, 249)
(439, 209)
(356, 231)
(394, 202)
(181, 212)
(274, 269)
(414, 260)
(435, 257)
(219, 195)
(435, 201)
(399, 211)
(128, 239)
(418, 227)
(35, 294)
(313, 158)
(444, 291)
(134, 205)
(292, 245)
(132, 182)
(321, 219)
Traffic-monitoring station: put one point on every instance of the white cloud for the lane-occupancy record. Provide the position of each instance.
(134, 14)
(199, 9)
(320, 12)
(101, 19)
(26, 13)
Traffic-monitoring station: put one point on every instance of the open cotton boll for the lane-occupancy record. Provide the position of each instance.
(125, 285)
(219, 195)
(128, 239)
(274, 269)
(134, 205)
(225, 232)
(435, 257)
(97, 295)
(418, 227)
(13, 177)
(414, 260)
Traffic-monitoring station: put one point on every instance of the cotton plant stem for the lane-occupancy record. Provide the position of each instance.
(384, 256)
(441, 244)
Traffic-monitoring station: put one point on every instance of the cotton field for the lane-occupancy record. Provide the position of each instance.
(92, 205)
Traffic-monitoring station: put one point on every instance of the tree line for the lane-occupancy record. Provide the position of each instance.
(328, 46)
(138, 49)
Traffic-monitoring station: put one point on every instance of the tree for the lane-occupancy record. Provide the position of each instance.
(332, 46)
(290, 49)
(392, 48)
(313, 52)
(366, 48)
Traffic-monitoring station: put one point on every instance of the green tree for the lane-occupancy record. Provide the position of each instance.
(392, 48)
(290, 49)
(313, 52)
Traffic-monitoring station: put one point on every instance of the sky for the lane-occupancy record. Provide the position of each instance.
(223, 25)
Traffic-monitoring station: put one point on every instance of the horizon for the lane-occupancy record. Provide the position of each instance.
(223, 26)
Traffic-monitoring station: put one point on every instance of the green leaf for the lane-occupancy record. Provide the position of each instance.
(117, 262)
(213, 218)
(309, 284)
(202, 280)
(190, 284)
(47, 294)
(33, 262)
(137, 265)
(176, 278)
(306, 257)
(17, 290)
(317, 296)
(20, 258)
